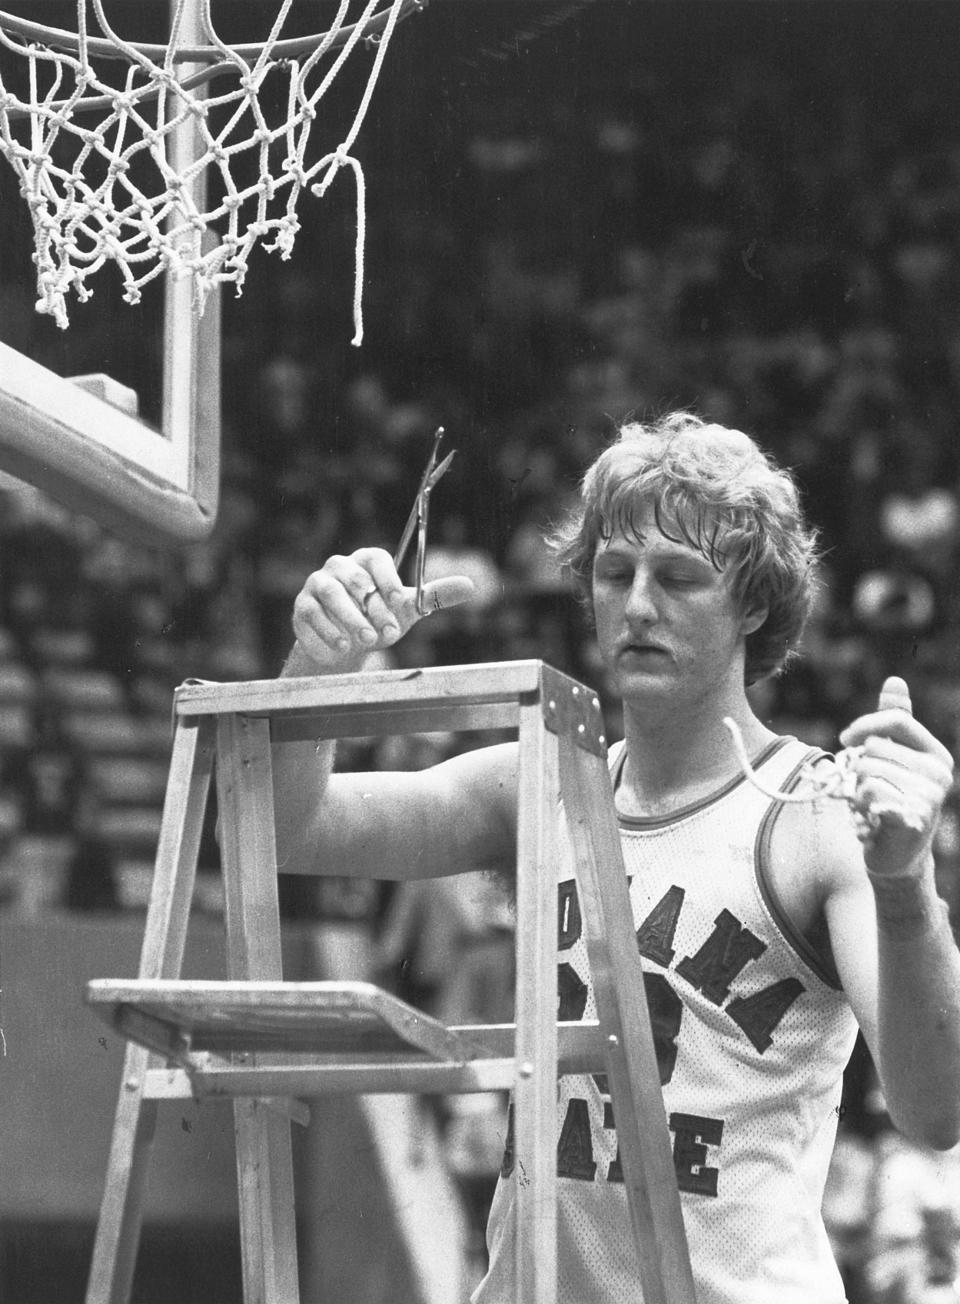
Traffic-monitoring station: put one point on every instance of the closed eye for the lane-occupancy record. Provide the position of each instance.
(682, 579)
(614, 575)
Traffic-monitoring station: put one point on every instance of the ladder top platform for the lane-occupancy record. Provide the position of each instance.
(372, 703)
(495, 681)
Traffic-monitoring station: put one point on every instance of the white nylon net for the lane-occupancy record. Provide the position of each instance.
(130, 154)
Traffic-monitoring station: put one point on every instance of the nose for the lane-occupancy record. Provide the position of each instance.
(641, 608)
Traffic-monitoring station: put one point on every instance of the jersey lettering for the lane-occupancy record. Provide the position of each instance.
(569, 920)
(692, 1135)
(655, 935)
(506, 1163)
(666, 1013)
(571, 993)
(759, 1014)
(728, 949)
(711, 969)
(615, 1171)
(575, 1147)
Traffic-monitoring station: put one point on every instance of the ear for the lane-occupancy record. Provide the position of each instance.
(753, 619)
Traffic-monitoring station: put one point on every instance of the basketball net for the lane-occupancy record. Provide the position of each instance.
(94, 127)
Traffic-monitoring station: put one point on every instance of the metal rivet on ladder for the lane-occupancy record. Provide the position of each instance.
(525, 1070)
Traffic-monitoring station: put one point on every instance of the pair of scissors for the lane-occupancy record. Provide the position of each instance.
(417, 520)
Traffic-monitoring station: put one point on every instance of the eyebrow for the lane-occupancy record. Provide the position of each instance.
(666, 551)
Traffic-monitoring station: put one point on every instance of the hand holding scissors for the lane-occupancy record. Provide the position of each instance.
(417, 520)
(356, 604)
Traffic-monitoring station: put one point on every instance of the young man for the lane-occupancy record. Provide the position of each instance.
(770, 930)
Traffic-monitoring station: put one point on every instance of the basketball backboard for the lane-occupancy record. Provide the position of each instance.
(82, 439)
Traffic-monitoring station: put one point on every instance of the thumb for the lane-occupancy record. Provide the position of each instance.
(895, 695)
(447, 592)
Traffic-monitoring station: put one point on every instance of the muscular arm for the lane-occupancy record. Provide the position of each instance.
(893, 947)
(453, 818)
(901, 970)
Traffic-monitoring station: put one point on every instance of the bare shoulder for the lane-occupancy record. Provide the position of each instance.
(455, 817)
(816, 857)
(817, 863)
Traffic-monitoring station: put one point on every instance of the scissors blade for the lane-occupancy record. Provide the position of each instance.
(407, 535)
(439, 471)
(431, 474)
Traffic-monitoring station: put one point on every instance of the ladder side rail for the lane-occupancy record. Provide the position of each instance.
(264, 1150)
(121, 1211)
(535, 1074)
(617, 975)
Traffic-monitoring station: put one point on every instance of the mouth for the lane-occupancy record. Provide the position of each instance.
(644, 651)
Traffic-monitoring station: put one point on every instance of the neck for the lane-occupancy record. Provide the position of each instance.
(676, 756)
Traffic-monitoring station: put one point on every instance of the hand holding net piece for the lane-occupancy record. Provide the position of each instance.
(92, 126)
(838, 780)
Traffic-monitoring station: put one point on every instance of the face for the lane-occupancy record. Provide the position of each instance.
(668, 627)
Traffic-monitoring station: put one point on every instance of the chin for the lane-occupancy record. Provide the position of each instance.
(641, 684)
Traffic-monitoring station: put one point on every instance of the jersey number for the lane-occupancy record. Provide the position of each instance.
(666, 1012)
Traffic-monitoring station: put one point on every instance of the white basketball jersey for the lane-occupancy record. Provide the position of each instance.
(752, 1036)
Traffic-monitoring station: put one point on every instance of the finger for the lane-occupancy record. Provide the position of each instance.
(887, 802)
(382, 572)
(450, 591)
(897, 729)
(893, 702)
(910, 783)
(331, 603)
(934, 761)
(895, 695)
(316, 634)
(894, 724)
(894, 719)
(380, 615)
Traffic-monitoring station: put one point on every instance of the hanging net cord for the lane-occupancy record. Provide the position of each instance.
(837, 779)
(95, 152)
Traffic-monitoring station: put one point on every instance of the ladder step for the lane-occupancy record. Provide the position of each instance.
(176, 1016)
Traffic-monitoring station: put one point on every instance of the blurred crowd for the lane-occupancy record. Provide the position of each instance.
(767, 235)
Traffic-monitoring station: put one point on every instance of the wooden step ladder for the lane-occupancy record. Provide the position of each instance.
(269, 1045)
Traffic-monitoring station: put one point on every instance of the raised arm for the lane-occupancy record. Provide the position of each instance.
(455, 817)
(888, 927)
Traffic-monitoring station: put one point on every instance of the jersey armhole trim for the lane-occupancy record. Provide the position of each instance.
(651, 822)
(825, 970)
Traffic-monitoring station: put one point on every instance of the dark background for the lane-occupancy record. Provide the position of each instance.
(576, 212)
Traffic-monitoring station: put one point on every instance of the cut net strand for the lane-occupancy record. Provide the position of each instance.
(118, 190)
(838, 780)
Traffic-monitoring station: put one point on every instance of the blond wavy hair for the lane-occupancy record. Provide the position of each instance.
(716, 490)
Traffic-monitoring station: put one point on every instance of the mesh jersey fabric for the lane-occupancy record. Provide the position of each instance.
(752, 1034)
